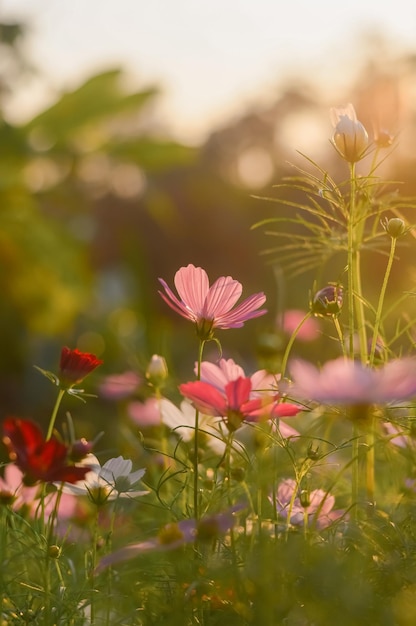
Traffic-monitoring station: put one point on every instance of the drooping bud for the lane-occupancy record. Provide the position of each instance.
(350, 138)
(327, 302)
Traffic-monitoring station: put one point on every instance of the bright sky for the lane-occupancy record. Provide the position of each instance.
(211, 57)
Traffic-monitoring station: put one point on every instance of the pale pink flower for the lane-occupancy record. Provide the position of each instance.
(210, 307)
(398, 436)
(119, 386)
(318, 505)
(145, 413)
(290, 320)
(348, 382)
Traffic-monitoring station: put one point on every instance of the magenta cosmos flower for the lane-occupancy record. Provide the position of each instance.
(348, 382)
(210, 307)
(263, 385)
(234, 404)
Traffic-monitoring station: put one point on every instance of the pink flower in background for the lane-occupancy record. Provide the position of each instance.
(290, 320)
(119, 386)
(12, 489)
(145, 413)
(210, 307)
(398, 436)
(318, 505)
(344, 381)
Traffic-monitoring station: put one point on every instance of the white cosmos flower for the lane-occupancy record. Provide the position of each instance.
(182, 420)
(111, 481)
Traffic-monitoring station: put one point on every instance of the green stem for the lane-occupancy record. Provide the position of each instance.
(196, 438)
(291, 342)
(351, 247)
(340, 335)
(381, 300)
(61, 394)
(355, 482)
(355, 299)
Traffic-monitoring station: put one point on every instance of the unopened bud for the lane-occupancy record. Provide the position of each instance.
(313, 453)
(383, 139)
(395, 227)
(327, 302)
(54, 552)
(157, 371)
(350, 138)
(304, 498)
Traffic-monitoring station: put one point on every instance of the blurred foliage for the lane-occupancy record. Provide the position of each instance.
(97, 202)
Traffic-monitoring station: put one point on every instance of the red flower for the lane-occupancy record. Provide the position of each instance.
(38, 459)
(75, 366)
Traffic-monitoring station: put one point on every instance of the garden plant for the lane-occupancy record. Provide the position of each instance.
(282, 495)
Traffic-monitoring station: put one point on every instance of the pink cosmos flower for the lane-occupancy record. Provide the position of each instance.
(318, 505)
(210, 307)
(263, 386)
(348, 382)
(233, 404)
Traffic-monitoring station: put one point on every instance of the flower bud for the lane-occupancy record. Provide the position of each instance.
(350, 138)
(383, 139)
(313, 453)
(395, 227)
(54, 552)
(304, 497)
(157, 371)
(79, 449)
(327, 302)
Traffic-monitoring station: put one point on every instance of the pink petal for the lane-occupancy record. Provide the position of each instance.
(192, 285)
(175, 304)
(205, 397)
(243, 312)
(238, 392)
(220, 375)
(221, 297)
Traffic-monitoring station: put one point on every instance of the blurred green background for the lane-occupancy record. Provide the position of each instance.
(97, 203)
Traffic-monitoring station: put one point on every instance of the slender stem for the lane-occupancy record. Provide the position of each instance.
(340, 335)
(291, 342)
(351, 247)
(370, 463)
(196, 438)
(381, 300)
(61, 394)
(361, 325)
(355, 482)
(355, 299)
